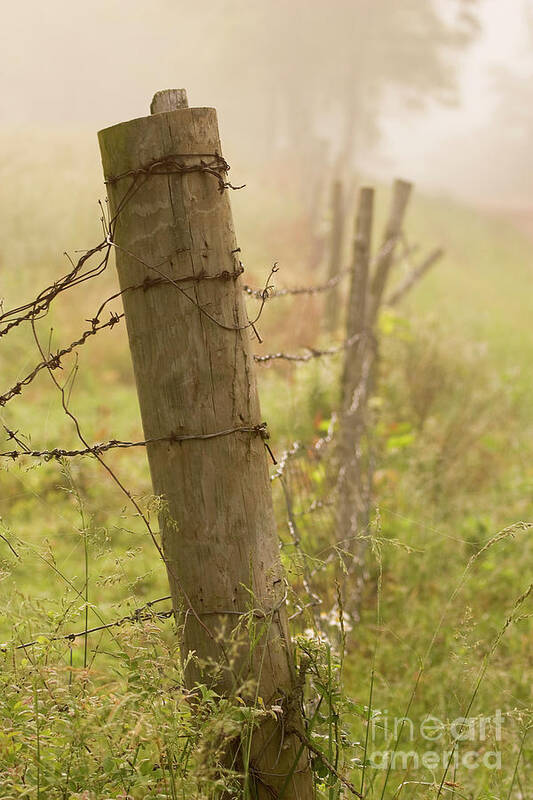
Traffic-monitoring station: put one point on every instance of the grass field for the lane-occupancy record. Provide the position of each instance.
(445, 625)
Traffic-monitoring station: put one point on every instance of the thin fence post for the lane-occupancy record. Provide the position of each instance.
(365, 299)
(401, 191)
(354, 395)
(357, 297)
(384, 260)
(189, 335)
(335, 255)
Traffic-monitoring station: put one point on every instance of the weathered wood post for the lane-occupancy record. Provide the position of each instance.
(357, 296)
(366, 295)
(335, 255)
(354, 378)
(190, 343)
(401, 192)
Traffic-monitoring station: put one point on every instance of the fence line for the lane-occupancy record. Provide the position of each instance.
(296, 471)
(273, 293)
(81, 272)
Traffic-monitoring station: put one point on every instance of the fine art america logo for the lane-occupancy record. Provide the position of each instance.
(467, 742)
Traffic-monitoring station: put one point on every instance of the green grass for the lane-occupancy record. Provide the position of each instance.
(451, 433)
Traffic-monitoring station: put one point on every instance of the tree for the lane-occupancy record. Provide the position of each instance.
(308, 68)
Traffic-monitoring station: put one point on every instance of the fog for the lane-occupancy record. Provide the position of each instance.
(460, 150)
(460, 126)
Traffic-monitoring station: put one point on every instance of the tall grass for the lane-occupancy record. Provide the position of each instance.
(107, 714)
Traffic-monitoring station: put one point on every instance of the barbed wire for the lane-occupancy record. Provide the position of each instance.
(176, 283)
(54, 361)
(258, 294)
(114, 444)
(171, 165)
(288, 291)
(136, 616)
(38, 307)
(216, 166)
(312, 352)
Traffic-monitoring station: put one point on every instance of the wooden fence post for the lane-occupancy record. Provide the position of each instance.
(366, 295)
(357, 297)
(354, 378)
(178, 266)
(401, 191)
(335, 255)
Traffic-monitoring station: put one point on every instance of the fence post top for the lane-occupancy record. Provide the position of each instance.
(168, 100)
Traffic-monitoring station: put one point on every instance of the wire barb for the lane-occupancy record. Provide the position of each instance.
(174, 165)
(117, 444)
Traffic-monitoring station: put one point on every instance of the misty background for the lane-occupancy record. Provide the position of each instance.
(439, 92)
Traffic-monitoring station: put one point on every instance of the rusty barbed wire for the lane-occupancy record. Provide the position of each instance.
(171, 165)
(312, 352)
(217, 167)
(175, 282)
(258, 294)
(291, 291)
(54, 361)
(38, 307)
(136, 616)
(117, 444)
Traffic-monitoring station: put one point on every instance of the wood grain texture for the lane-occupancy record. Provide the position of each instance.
(401, 192)
(351, 489)
(168, 100)
(335, 255)
(218, 528)
(359, 376)
(357, 296)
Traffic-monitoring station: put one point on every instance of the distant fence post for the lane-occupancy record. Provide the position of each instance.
(335, 255)
(354, 380)
(189, 335)
(357, 296)
(401, 192)
(364, 302)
